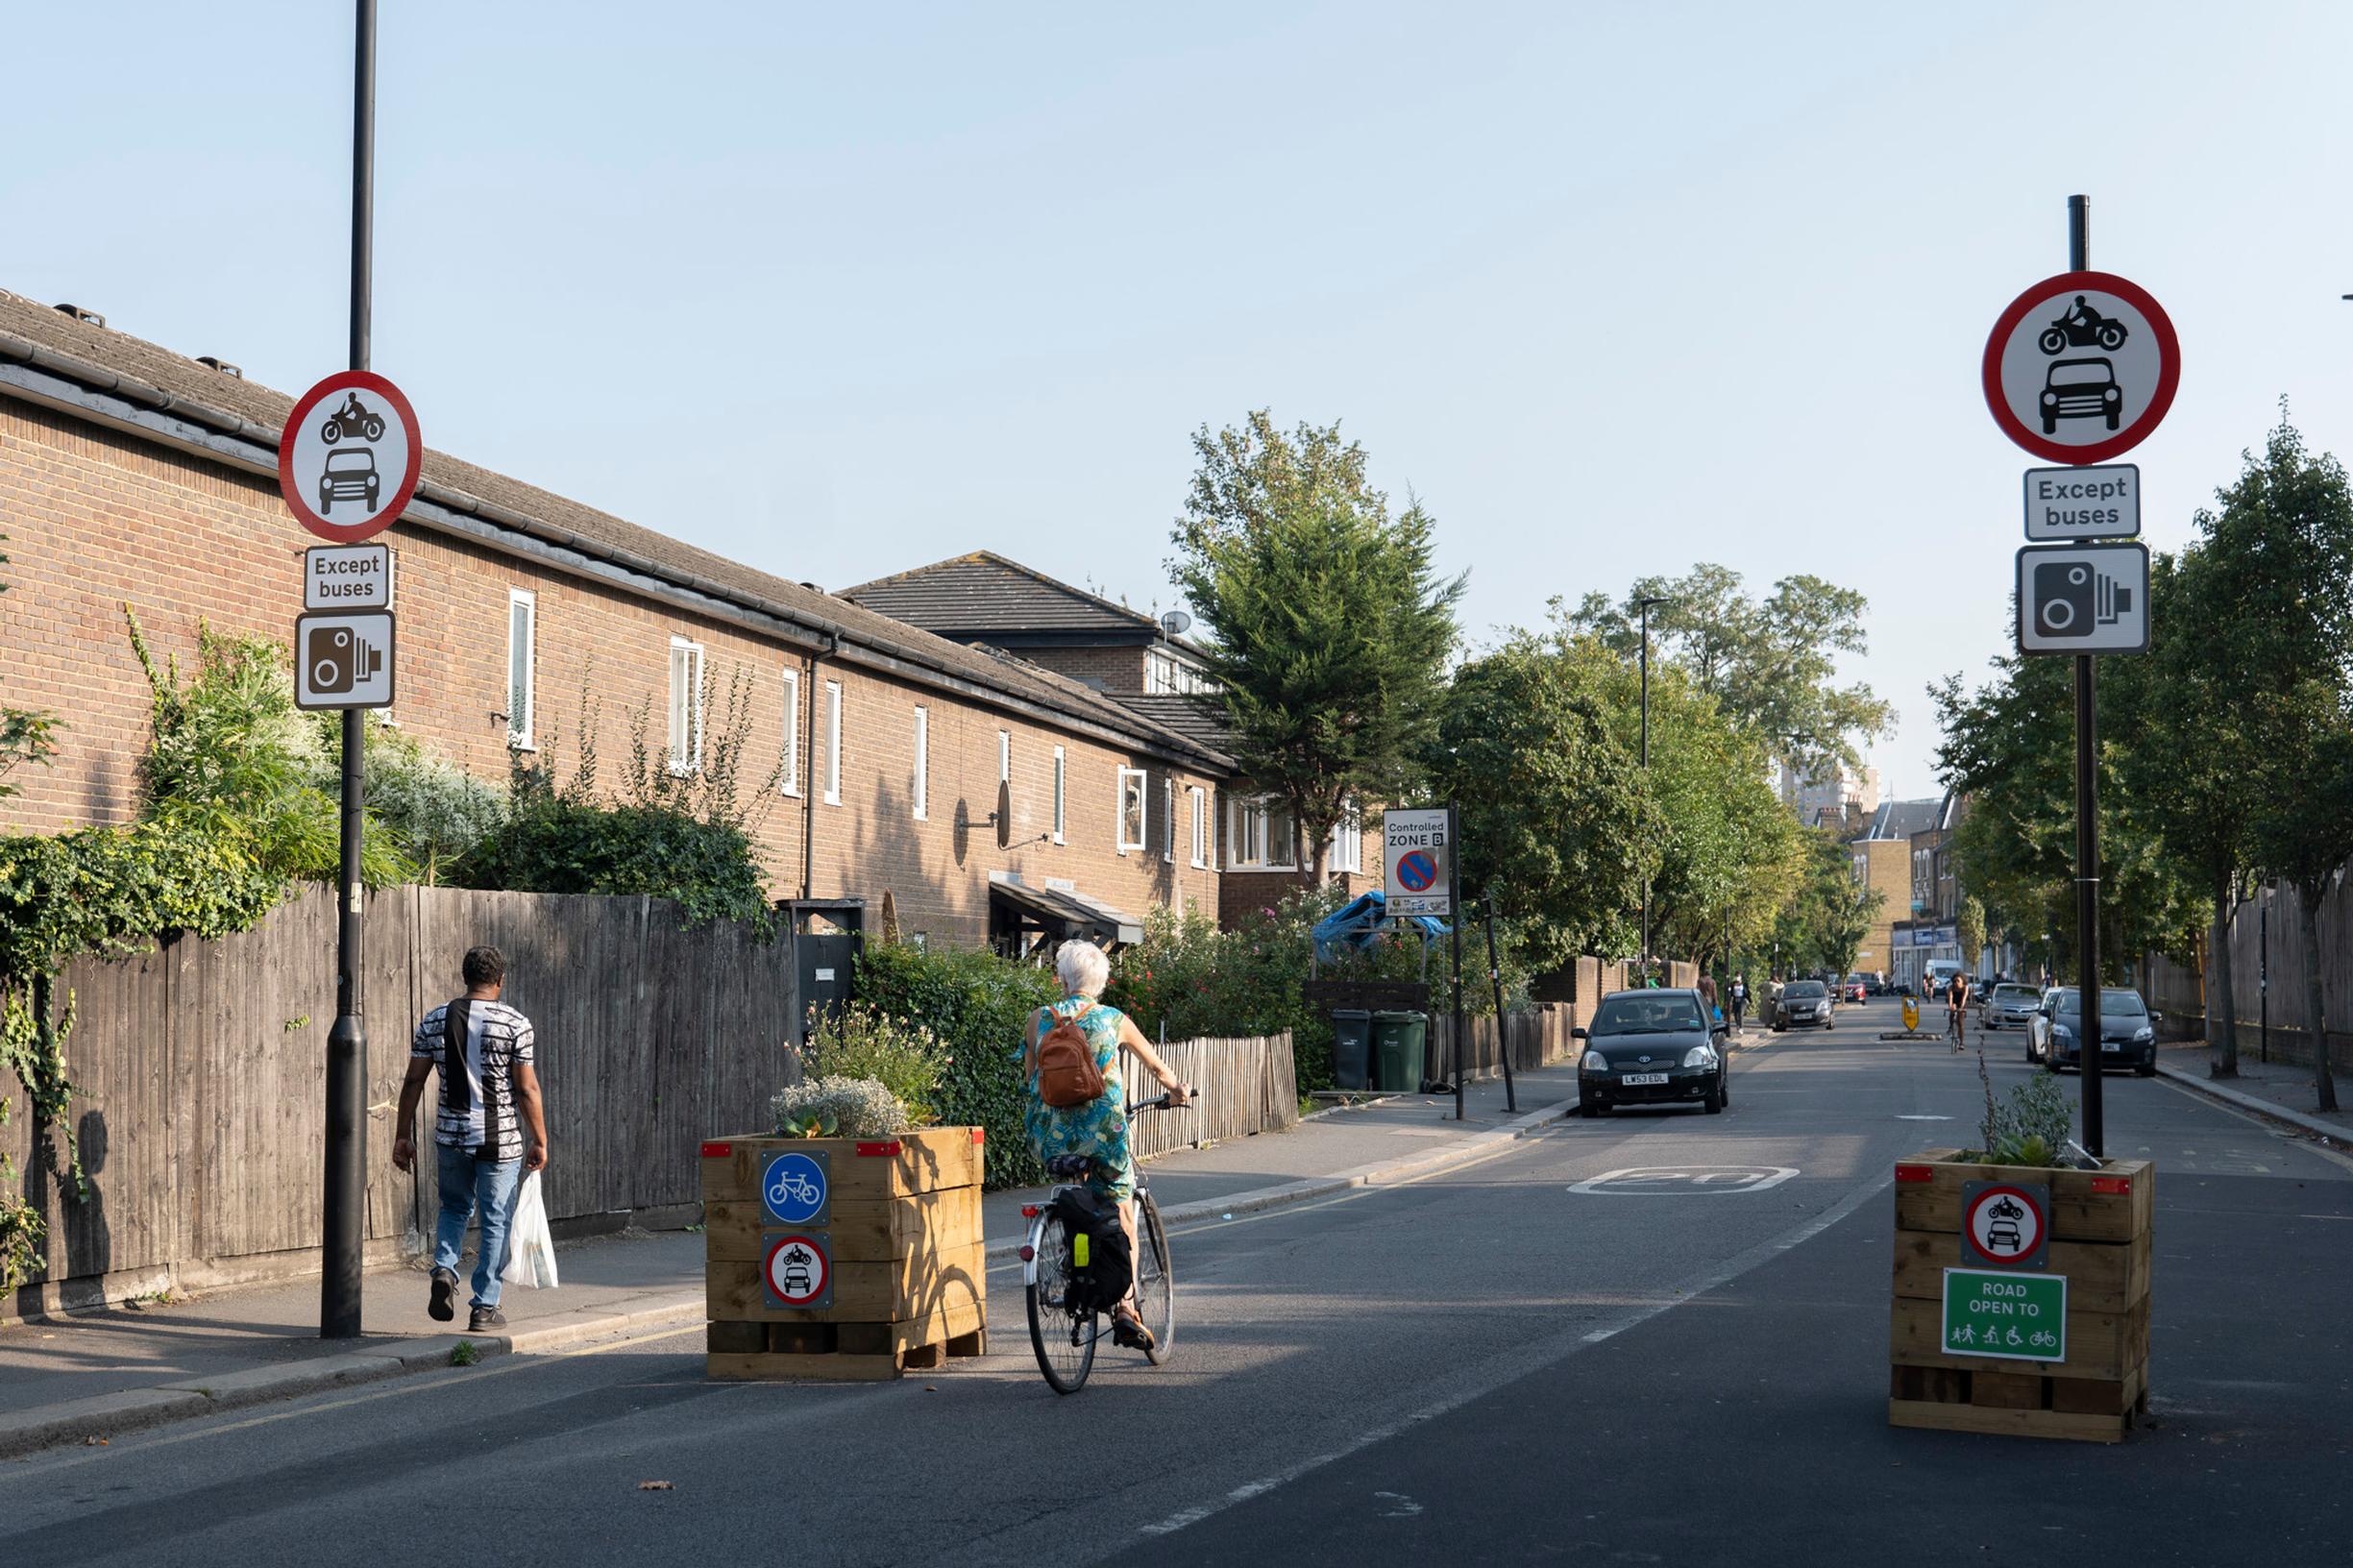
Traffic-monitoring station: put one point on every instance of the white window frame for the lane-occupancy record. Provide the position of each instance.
(1167, 816)
(833, 743)
(922, 763)
(1239, 810)
(1144, 810)
(792, 732)
(689, 759)
(1200, 824)
(1062, 794)
(1347, 842)
(519, 715)
(1004, 756)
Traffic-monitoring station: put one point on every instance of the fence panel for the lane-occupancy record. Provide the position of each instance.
(2180, 991)
(1247, 1086)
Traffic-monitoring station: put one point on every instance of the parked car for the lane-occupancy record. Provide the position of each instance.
(1856, 988)
(1803, 1004)
(2037, 1026)
(2127, 1030)
(2008, 1006)
(1652, 1047)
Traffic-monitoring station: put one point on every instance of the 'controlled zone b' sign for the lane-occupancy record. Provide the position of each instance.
(1415, 849)
(2081, 367)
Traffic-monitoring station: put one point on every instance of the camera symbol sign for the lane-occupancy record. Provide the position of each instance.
(2083, 598)
(343, 659)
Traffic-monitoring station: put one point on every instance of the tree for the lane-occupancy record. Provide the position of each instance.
(1970, 928)
(1770, 665)
(1329, 627)
(2304, 830)
(1557, 825)
(1823, 927)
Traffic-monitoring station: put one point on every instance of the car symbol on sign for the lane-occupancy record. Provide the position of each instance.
(2081, 389)
(349, 474)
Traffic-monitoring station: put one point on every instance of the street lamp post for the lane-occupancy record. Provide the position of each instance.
(1646, 601)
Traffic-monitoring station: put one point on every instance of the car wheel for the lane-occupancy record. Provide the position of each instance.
(1714, 1102)
(1587, 1108)
(2146, 1069)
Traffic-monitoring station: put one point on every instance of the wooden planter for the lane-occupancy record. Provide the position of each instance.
(2100, 1244)
(859, 1260)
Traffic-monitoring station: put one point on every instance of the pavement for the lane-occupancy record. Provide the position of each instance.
(1518, 1356)
(68, 1379)
(2279, 1089)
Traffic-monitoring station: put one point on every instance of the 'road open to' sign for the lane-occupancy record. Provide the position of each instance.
(1665, 1181)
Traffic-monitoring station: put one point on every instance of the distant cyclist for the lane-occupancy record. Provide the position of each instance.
(1957, 1000)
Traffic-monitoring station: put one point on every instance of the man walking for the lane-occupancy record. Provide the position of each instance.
(1740, 1000)
(489, 1101)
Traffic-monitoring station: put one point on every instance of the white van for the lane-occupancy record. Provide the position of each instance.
(1938, 974)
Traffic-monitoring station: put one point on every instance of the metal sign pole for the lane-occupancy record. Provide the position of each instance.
(2087, 805)
(1453, 928)
(1503, 1035)
(347, 1042)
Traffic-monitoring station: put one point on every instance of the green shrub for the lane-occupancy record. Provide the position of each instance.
(2029, 1128)
(435, 810)
(977, 1006)
(837, 1108)
(860, 1040)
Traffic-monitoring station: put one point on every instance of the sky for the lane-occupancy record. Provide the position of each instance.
(841, 291)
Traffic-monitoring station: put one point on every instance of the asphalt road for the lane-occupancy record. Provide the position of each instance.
(1485, 1365)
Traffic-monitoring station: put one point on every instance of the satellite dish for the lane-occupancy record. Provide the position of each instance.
(1176, 622)
(1004, 814)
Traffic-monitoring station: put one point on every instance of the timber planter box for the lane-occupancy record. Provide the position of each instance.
(1975, 1352)
(842, 1257)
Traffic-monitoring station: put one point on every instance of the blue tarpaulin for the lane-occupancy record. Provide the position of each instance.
(1356, 926)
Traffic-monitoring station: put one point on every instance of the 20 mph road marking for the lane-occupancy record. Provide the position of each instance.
(1651, 1181)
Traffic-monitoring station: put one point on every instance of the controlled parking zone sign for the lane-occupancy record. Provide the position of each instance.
(1416, 845)
(350, 456)
(2081, 367)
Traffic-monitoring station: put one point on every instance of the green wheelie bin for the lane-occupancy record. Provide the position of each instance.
(1398, 1040)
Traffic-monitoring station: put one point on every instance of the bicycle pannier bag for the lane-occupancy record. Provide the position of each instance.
(1101, 1282)
(1068, 1074)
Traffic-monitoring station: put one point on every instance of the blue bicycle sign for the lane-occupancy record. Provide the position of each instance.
(792, 1188)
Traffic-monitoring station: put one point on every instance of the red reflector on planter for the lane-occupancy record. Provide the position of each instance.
(717, 1151)
(2111, 1186)
(978, 1132)
(1915, 1173)
(882, 1151)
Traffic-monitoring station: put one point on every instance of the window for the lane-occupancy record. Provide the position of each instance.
(1061, 793)
(1200, 824)
(1165, 675)
(922, 763)
(1004, 756)
(792, 732)
(1347, 840)
(1260, 837)
(1131, 809)
(521, 609)
(833, 743)
(1167, 821)
(685, 706)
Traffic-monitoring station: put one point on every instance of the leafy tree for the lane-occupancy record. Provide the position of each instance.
(1557, 823)
(1824, 925)
(1328, 623)
(1770, 664)
(1970, 928)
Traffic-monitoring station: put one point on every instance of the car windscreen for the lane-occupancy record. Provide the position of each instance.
(2014, 993)
(2096, 373)
(1645, 1016)
(2113, 1004)
(1803, 990)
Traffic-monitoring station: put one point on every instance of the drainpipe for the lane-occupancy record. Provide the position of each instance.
(808, 764)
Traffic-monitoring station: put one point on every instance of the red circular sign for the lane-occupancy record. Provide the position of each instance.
(2081, 367)
(798, 1271)
(350, 456)
(2002, 1225)
(1416, 872)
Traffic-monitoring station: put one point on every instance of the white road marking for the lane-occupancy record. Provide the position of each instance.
(1656, 1181)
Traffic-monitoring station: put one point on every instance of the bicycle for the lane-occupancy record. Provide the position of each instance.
(1063, 1330)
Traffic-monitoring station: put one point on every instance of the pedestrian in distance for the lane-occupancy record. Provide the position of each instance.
(1096, 1128)
(491, 1128)
(1956, 1001)
(1740, 1000)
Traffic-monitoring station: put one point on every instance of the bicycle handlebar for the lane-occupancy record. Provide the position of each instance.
(1192, 1099)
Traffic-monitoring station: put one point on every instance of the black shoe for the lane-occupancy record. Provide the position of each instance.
(442, 1306)
(1127, 1329)
(485, 1317)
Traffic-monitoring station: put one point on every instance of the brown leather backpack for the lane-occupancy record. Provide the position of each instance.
(1068, 1074)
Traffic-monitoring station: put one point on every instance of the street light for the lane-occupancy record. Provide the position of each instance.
(1646, 601)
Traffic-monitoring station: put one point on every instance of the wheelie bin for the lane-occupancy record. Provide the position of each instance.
(1352, 1047)
(1398, 1040)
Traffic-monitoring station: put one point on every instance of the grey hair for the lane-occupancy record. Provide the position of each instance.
(1084, 970)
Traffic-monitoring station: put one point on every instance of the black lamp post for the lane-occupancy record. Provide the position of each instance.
(1646, 601)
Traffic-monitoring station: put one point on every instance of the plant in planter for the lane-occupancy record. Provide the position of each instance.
(837, 1108)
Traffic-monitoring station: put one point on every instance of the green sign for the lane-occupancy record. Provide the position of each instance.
(2021, 1316)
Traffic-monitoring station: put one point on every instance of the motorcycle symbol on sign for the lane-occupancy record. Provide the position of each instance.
(2082, 328)
(355, 418)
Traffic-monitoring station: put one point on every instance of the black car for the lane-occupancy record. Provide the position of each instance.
(2127, 1030)
(1803, 1004)
(1652, 1047)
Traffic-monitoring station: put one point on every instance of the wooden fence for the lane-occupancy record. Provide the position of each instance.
(2179, 991)
(201, 1077)
(1247, 1086)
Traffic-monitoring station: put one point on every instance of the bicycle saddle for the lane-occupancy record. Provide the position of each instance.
(1071, 1165)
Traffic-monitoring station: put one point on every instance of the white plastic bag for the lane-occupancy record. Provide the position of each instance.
(530, 1247)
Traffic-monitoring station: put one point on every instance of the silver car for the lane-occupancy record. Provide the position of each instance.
(2009, 1006)
(2037, 1026)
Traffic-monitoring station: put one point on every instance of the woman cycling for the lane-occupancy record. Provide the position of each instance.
(1098, 1127)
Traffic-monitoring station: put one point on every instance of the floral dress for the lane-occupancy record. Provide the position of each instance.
(1098, 1127)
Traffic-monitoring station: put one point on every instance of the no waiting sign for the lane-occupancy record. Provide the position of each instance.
(1417, 856)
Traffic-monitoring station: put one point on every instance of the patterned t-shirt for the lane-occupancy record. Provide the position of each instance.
(478, 1106)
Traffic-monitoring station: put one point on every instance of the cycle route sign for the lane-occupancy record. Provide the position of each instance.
(2081, 367)
(350, 456)
(794, 1188)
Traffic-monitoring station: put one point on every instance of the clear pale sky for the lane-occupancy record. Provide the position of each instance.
(840, 290)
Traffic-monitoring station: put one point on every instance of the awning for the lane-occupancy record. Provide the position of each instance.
(1058, 916)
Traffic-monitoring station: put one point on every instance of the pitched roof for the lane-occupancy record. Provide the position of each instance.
(201, 401)
(1902, 819)
(987, 596)
(1203, 718)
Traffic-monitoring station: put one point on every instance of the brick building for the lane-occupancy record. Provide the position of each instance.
(1882, 855)
(131, 475)
(1136, 661)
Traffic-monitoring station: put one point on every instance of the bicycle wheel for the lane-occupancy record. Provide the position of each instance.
(1064, 1339)
(1155, 1284)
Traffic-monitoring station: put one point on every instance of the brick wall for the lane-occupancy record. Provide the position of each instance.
(1106, 669)
(97, 519)
(1887, 867)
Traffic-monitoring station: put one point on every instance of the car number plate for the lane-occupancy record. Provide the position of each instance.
(1644, 1078)
(2110, 1045)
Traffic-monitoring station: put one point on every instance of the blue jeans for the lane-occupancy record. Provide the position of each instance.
(466, 1185)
